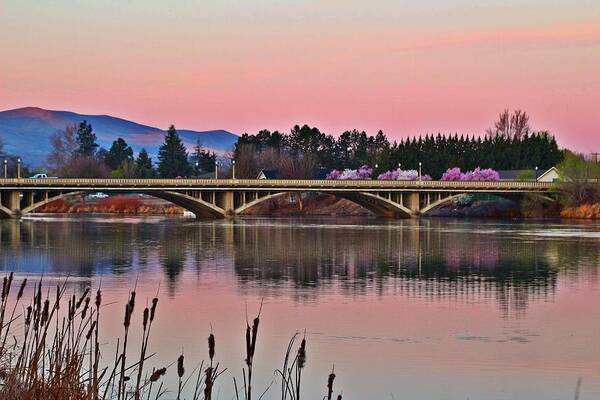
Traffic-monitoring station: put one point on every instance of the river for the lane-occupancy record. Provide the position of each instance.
(404, 309)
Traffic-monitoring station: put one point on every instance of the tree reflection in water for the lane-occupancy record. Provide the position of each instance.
(428, 259)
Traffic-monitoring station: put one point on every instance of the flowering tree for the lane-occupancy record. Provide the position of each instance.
(402, 175)
(363, 172)
(478, 174)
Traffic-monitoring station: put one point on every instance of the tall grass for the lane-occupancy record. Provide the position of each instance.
(48, 352)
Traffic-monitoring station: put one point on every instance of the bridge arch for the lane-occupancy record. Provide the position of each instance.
(48, 200)
(5, 212)
(380, 206)
(440, 202)
(199, 207)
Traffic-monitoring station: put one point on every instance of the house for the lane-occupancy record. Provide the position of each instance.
(550, 175)
(268, 174)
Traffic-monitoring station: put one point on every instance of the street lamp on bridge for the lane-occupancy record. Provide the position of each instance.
(420, 170)
(216, 170)
(19, 168)
(232, 169)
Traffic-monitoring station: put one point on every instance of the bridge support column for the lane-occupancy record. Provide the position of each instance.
(229, 203)
(413, 203)
(13, 203)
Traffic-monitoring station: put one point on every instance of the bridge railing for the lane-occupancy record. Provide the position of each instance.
(270, 183)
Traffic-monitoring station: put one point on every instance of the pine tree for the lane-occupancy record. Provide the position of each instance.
(86, 138)
(143, 165)
(172, 156)
(119, 152)
(202, 160)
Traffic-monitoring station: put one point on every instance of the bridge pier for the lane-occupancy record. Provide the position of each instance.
(413, 203)
(10, 204)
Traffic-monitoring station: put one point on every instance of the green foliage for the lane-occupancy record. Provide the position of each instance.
(578, 179)
(354, 148)
(527, 175)
(143, 165)
(118, 153)
(173, 157)
(202, 160)
(86, 139)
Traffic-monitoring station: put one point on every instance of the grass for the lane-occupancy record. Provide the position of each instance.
(51, 349)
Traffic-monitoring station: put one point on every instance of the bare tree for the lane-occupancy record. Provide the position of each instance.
(66, 161)
(64, 147)
(508, 125)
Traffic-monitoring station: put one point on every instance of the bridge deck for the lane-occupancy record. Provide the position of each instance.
(270, 184)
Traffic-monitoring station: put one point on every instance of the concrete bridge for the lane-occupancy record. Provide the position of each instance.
(220, 198)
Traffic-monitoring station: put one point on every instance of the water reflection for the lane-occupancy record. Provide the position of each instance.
(433, 260)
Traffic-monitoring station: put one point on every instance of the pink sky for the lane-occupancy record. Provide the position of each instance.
(404, 68)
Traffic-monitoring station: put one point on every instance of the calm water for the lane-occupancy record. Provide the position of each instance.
(430, 309)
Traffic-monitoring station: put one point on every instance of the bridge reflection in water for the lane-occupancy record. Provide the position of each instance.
(428, 259)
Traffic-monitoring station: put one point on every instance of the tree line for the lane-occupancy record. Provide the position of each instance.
(76, 153)
(510, 145)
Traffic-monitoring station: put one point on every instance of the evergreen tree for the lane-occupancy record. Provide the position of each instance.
(172, 156)
(202, 160)
(86, 138)
(143, 165)
(118, 153)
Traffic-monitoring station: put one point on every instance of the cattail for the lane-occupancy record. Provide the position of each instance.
(157, 374)
(4, 284)
(153, 309)
(302, 354)
(22, 289)
(248, 346)
(72, 307)
(38, 300)
(98, 298)
(127, 319)
(28, 317)
(211, 346)
(330, 385)
(45, 312)
(339, 397)
(9, 283)
(208, 383)
(83, 297)
(180, 369)
(89, 334)
(254, 333)
(57, 296)
(132, 301)
(145, 322)
(85, 308)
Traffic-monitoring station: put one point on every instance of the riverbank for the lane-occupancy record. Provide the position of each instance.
(324, 205)
(584, 211)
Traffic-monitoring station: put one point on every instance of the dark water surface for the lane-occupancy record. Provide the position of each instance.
(430, 309)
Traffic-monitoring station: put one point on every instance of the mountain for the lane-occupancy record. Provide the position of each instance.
(26, 132)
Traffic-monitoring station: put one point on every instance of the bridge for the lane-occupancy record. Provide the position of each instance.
(220, 198)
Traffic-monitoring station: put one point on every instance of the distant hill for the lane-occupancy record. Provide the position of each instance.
(26, 132)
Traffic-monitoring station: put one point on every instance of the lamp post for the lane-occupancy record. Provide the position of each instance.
(196, 170)
(536, 172)
(232, 169)
(5, 169)
(19, 168)
(216, 170)
(399, 165)
(420, 172)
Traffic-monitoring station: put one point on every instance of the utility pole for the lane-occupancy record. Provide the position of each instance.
(595, 157)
